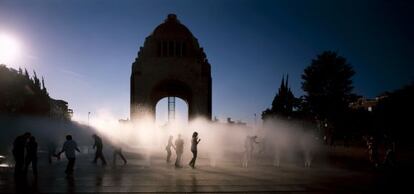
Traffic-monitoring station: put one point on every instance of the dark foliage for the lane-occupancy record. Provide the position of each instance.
(327, 83)
(21, 94)
(284, 103)
(393, 114)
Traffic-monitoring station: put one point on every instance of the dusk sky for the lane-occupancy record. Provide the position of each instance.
(85, 48)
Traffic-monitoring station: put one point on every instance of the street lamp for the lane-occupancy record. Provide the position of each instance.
(255, 121)
(89, 113)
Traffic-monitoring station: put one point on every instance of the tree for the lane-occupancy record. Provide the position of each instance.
(44, 90)
(327, 83)
(283, 103)
(392, 114)
(21, 95)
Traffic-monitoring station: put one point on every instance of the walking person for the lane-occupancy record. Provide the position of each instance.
(69, 147)
(31, 156)
(19, 146)
(118, 152)
(194, 142)
(99, 147)
(168, 148)
(179, 149)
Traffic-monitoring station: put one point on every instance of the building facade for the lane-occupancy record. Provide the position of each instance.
(171, 64)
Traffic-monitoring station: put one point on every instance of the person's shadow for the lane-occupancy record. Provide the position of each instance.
(98, 179)
(70, 182)
(116, 176)
(21, 184)
(194, 185)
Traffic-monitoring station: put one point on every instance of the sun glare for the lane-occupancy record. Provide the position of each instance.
(9, 49)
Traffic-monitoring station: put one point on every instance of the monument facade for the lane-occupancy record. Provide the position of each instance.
(171, 64)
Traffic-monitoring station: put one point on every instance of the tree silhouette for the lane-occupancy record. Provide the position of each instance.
(327, 83)
(20, 94)
(283, 103)
(392, 115)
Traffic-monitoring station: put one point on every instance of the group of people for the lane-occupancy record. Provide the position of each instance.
(179, 149)
(25, 143)
(25, 153)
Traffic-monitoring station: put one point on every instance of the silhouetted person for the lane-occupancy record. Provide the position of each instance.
(390, 159)
(99, 146)
(118, 152)
(51, 150)
(31, 155)
(179, 149)
(194, 143)
(69, 147)
(19, 146)
(373, 151)
(249, 147)
(168, 148)
(307, 143)
(277, 151)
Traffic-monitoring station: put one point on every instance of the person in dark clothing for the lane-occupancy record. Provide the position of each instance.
(390, 158)
(51, 150)
(69, 147)
(194, 143)
(31, 156)
(168, 148)
(99, 147)
(373, 151)
(179, 149)
(118, 151)
(19, 145)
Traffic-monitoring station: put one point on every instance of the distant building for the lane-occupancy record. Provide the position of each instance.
(124, 121)
(367, 104)
(59, 110)
(238, 122)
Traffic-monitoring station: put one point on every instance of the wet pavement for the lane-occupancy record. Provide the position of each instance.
(154, 175)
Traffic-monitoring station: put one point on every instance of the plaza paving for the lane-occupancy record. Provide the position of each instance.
(141, 175)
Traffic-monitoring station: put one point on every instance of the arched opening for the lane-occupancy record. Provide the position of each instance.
(171, 102)
(165, 113)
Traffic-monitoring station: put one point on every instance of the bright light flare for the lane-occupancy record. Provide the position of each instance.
(9, 48)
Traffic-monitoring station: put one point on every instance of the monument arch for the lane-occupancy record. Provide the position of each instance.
(171, 64)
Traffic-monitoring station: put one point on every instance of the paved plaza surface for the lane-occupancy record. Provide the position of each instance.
(154, 175)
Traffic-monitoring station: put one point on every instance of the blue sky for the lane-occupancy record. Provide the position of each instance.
(85, 48)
